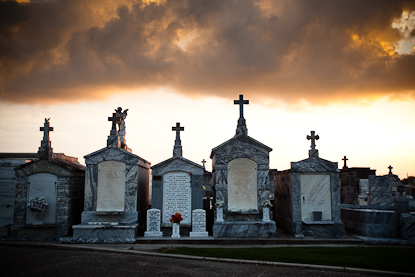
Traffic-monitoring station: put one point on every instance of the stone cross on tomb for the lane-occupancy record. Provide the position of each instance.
(203, 162)
(46, 129)
(390, 169)
(241, 102)
(313, 139)
(114, 120)
(241, 128)
(45, 150)
(345, 159)
(177, 150)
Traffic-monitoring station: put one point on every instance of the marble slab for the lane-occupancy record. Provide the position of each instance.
(177, 196)
(111, 186)
(315, 196)
(198, 223)
(153, 223)
(42, 185)
(242, 185)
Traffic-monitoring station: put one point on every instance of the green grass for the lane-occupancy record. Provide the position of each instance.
(400, 259)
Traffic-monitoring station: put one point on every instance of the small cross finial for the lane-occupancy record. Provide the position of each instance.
(203, 162)
(45, 149)
(345, 159)
(313, 139)
(390, 169)
(177, 150)
(241, 102)
(114, 120)
(46, 129)
(241, 127)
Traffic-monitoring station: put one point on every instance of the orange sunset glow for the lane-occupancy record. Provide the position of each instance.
(344, 68)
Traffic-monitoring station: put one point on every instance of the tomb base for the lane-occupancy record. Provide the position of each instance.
(153, 234)
(198, 234)
(102, 233)
(241, 229)
(323, 228)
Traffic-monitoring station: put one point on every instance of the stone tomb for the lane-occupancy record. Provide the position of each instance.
(307, 198)
(116, 191)
(153, 224)
(8, 161)
(382, 189)
(198, 223)
(350, 178)
(241, 187)
(177, 187)
(49, 194)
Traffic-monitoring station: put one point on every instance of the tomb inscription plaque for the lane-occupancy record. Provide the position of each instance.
(177, 196)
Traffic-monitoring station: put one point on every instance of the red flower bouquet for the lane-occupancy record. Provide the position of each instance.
(176, 218)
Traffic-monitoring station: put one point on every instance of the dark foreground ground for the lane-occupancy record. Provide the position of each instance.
(30, 261)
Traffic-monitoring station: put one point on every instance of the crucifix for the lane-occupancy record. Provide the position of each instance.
(177, 150)
(241, 127)
(241, 102)
(345, 159)
(203, 162)
(114, 120)
(390, 169)
(313, 140)
(46, 129)
(177, 129)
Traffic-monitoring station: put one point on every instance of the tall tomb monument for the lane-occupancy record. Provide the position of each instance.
(177, 187)
(48, 193)
(116, 190)
(307, 196)
(240, 185)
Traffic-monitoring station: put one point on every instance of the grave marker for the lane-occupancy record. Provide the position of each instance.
(199, 223)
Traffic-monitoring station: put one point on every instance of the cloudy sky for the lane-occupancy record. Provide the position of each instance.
(345, 69)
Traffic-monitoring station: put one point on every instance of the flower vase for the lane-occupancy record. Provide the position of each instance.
(219, 214)
(176, 231)
(265, 214)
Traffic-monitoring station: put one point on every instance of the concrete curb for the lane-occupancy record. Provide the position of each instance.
(130, 251)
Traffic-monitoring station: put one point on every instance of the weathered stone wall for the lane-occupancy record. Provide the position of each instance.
(349, 183)
(7, 189)
(283, 201)
(69, 201)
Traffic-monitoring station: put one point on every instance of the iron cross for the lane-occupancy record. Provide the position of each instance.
(345, 159)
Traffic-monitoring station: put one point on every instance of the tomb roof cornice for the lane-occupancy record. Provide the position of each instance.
(240, 137)
(118, 149)
(177, 158)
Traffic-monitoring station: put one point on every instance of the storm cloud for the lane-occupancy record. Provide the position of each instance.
(284, 51)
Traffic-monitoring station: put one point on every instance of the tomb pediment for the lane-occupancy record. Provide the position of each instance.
(115, 154)
(176, 162)
(314, 164)
(240, 146)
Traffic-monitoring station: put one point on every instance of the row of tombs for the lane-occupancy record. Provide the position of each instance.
(47, 195)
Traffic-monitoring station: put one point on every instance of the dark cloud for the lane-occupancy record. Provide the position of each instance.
(288, 51)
